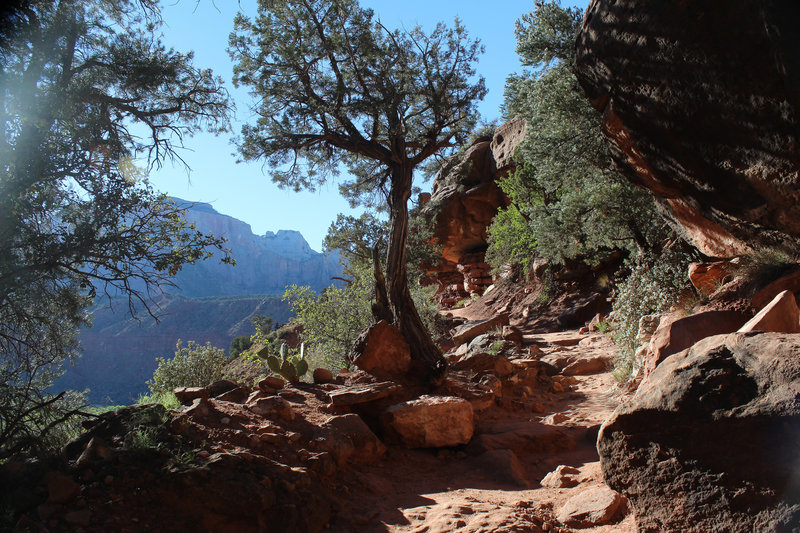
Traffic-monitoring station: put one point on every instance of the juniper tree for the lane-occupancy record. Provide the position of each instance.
(335, 88)
(86, 88)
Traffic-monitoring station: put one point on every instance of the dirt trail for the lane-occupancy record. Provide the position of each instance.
(421, 491)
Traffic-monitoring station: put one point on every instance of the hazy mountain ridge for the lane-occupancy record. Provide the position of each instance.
(213, 303)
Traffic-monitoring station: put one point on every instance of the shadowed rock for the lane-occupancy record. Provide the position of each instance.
(700, 105)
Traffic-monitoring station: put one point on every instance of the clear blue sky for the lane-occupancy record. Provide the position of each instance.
(245, 190)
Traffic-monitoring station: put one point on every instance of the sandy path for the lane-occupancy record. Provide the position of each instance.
(423, 491)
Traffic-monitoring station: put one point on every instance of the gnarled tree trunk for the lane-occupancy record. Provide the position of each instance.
(404, 312)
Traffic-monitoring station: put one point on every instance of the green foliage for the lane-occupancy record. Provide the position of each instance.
(87, 88)
(765, 265)
(167, 399)
(191, 366)
(290, 367)
(333, 319)
(568, 200)
(511, 240)
(239, 344)
(336, 87)
(654, 285)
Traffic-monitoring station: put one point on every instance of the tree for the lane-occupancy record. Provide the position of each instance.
(87, 88)
(191, 366)
(569, 202)
(337, 88)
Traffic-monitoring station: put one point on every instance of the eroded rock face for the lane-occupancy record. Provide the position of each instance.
(700, 106)
(465, 200)
(709, 441)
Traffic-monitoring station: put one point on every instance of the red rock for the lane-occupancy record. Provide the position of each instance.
(220, 387)
(382, 351)
(272, 383)
(674, 335)
(322, 375)
(790, 282)
(60, 488)
(362, 394)
(512, 334)
(237, 395)
(593, 507)
(584, 366)
(465, 199)
(470, 330)
(80, 518)
(562, 477)
(186, 395)
(524, 437)
(348, 438)
(725, 409)
(272, 405)
(716, 143)
(501, 466)
(431, 422)
(708, 277)
(781, 315)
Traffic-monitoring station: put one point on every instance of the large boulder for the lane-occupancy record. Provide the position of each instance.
(701, 106)
(781, 315)
(675, 334)
(431, 422)
(709, 441)
(382, 351)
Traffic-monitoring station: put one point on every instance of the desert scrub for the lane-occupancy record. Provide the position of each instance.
(764, 265)
(654, 285)
(191, 366)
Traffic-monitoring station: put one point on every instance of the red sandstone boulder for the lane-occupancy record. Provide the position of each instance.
(592, 507)
(431, 422)
(470, 330)
(562, 477)
(781, 315)
(708, 277)
(676, 334)
(709, 441)
(790, 282)
(382, 351)
(700, 106)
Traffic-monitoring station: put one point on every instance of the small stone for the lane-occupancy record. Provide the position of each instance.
(322, 375)
(271, 382)
(60, 488)
(108, 480)
(592, 507)
(225, 421)
(80, 518)
(561, 478)
(186, 395)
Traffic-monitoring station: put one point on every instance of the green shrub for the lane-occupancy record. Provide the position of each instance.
(192, 366)
(653, 286)
(239, 344)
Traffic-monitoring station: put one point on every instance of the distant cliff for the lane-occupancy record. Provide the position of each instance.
(265, 264)
(212, 302)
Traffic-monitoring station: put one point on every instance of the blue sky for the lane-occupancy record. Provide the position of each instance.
(244, 190)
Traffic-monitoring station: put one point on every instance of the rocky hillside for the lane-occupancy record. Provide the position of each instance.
(212, 302)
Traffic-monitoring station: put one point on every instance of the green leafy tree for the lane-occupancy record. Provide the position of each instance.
(87, 88)
(191, 366)
(568, 200)
(336, 88)
(333, 319)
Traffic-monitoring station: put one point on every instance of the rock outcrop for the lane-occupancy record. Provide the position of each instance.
(700, 105)
(709, 441)
(465, 199)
